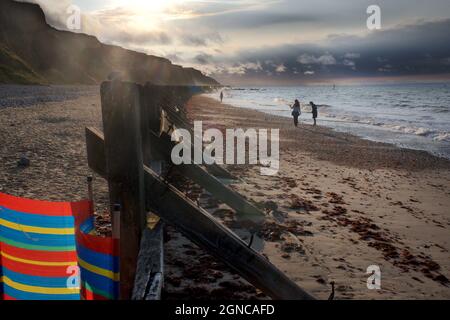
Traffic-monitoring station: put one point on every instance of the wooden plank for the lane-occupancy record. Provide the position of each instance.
(148, 283)
(151, 103)
(123, 154)
(96, 150)
(177, 119)
(244, 209)
(215, 169)
(162, 146)
(201, 228)
(168, 98)
(149, 273)
(220, 172)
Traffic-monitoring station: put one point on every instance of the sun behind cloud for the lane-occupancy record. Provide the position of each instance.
(145, 5)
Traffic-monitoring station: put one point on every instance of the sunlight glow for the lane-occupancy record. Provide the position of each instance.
(144, 14)
(150, 6)
(151, 14)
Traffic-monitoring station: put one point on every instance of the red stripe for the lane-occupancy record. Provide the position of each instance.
(35, 270)
(98, 244)
(91, 296)
(6, 297)
(46, 208)
(48, 256)
(82, 211)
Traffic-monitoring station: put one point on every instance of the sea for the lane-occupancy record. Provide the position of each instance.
(414, 116)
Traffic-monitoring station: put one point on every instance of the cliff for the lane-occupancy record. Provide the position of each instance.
(31, 51)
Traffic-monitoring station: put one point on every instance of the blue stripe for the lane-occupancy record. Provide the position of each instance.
(49, 240)
(22, 295)
(97, 259)
(36, 220)
(36, 281)
(87, 226)
(99, 282)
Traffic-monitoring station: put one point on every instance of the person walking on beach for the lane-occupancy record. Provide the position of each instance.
(296, 111)
(221, 96)
(314, 111)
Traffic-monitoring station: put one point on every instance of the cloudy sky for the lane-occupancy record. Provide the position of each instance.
(276, 42)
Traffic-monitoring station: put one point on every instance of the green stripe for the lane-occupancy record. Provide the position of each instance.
(36, 247)
(97, 291)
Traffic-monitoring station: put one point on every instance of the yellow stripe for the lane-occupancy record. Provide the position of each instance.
(42, 290)
(103, 272)
(25, 228)
(38, 263)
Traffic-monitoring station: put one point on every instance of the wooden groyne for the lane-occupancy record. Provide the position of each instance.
(132, 153)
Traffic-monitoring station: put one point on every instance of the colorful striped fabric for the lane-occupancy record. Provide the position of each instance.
(98, 264)
(48, 252)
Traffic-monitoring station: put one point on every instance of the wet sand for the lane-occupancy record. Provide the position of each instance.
(341, 204)
(338, 205)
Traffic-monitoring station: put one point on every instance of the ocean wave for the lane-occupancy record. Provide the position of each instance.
(407, 112)
(248, 89)
(442, 110)
(435, 135)
(282, 101)
(421, 131)
(445, 136)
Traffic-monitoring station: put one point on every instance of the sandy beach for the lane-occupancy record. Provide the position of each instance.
(341, 204)
(338, 205)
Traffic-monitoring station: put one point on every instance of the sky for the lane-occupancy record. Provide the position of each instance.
(276, 42)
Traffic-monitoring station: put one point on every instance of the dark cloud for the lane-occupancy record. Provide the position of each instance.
(256, 19)
(141, 38)
(312, 14)
(201, 40)
(418, 49)
(203, 59)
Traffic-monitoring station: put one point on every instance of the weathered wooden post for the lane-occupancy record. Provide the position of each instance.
(201, 228)
(117, 155)
(115, 222)
(151, 101)
(149, 277)
(91, 195)
(124, 162)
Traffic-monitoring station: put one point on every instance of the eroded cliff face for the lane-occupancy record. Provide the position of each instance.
(31, 51)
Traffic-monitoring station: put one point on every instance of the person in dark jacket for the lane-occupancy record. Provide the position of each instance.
(296, 111)
(314, 111)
